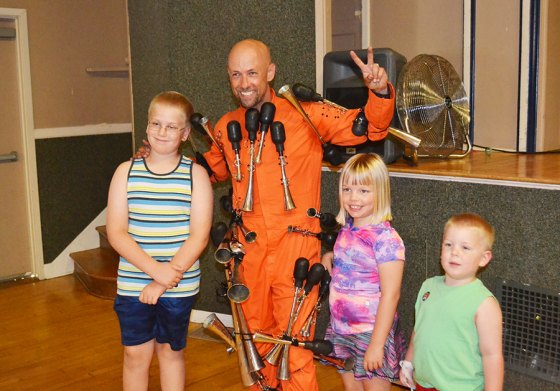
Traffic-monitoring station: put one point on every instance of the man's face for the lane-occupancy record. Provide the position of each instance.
(249, 74)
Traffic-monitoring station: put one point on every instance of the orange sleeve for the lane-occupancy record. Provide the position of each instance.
(379, 113)
(335, 126)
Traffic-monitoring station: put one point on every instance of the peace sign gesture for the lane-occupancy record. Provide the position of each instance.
(375, 77)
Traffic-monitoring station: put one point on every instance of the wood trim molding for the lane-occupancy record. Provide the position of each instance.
(84, 130)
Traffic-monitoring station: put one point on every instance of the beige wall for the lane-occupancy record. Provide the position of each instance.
(548, 122)
(412, 27)
(66, 37)
(496, 73)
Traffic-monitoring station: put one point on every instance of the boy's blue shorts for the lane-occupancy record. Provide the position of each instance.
(167, 321)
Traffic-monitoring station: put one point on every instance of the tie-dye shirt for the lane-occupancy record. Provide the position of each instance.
(355, 287)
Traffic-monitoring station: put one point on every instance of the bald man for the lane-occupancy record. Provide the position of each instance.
(269, 262)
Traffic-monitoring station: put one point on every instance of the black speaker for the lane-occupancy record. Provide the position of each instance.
(343, 84)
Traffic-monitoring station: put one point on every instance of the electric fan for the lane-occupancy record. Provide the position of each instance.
(433, 106)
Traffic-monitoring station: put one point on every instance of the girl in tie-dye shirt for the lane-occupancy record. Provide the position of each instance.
(366, 267)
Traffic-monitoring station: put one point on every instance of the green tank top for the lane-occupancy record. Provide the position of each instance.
(446, 347)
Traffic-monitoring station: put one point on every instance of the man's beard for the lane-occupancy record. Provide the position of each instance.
(248, 104)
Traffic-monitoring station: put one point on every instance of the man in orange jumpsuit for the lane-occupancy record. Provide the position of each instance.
(269, 261)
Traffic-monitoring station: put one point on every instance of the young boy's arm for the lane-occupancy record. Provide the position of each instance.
(488, 320)
(406, 374)
(123, 243)
(202, 203)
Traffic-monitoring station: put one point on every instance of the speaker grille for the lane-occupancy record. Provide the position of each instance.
(531, 320)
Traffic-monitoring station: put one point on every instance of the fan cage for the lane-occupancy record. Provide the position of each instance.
(432, 105)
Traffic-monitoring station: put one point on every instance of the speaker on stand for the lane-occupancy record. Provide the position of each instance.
(343, 84)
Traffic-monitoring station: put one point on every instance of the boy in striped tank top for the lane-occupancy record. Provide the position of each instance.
(159, 214)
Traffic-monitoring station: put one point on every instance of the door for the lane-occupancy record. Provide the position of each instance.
(15, 239)
(346, 19)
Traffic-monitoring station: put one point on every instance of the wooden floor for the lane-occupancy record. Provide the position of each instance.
(56, 336)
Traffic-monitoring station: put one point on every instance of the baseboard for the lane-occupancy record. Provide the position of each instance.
(88, 238)
(198, 316)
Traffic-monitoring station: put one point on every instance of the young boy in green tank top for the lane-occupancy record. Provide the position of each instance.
(457, 340)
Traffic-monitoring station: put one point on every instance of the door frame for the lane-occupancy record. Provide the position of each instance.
(28, 153)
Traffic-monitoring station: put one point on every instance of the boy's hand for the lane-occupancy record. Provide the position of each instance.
(406, 374)
(151, 293)
(143, 151)
(168, 274)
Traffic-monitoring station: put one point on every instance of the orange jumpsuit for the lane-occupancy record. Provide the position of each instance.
(269, 261)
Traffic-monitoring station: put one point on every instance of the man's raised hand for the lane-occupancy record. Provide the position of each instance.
(375, 77)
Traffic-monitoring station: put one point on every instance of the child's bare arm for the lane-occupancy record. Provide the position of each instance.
(390, 277)
(202, 203)
(488, 320)
(151, 293)
(122, 242)
(327, 260)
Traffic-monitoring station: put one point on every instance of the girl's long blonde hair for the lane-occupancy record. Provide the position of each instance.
(367, 169)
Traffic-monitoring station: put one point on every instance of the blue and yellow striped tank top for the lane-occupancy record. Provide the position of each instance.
(159, 207)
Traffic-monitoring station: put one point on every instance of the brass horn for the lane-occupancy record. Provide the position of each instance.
(313, 277)
(301, 267)
(234, 136)
(323, 290)
(205, 123)
(223, 252)
(317, 346)
(237, 291)
(268, 109)
(215, 325)
(278, 135)
(288, 94)
(252, 125)
(250, 362)
(248, 235)
(346, 364)
(306, 94)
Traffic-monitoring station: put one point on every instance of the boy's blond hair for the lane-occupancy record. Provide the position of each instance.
(475, 221)
(367, 169)
(174, 99)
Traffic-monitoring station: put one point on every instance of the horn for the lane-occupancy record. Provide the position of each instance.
(202, 125)
(317, 346)
(215, 325)
(251, 124)
(327, 238)
(300, 274)
(234, 136)
(250, 236)
(346, 364)
(323, 290)
(223, 252)
(313, 277)
(247, 377)
(237, 291)
(266, 117)
(327, 219)
(250, 361)
(278, 135)
(308, 94)
(287, 93)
